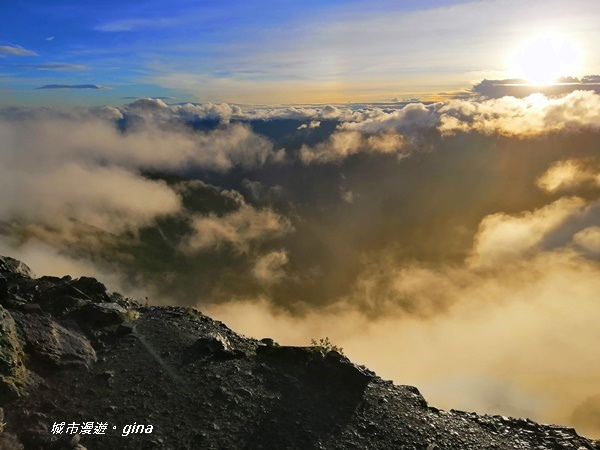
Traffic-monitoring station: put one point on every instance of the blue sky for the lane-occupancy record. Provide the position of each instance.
(272, 52)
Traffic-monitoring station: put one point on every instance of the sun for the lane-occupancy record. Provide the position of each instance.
(545, 57)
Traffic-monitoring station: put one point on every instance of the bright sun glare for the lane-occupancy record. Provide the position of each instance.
(545, 57)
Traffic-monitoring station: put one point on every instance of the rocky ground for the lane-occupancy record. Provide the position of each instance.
(84, 368)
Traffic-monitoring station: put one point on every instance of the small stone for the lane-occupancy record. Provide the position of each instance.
(125, 328)
(32, 308)
(267, 342)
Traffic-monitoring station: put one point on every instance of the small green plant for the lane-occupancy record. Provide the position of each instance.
(324, 345)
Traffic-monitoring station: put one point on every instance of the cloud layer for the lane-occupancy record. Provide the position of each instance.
(461, 237)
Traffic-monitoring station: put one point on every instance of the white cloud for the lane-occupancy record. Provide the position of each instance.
(588, 240)
(502, 238)
(338, 147)
(136, 24)
(239, 229)
(531, 116)
(110, 198)
(54, 66)
(270, 268)
(568, 175)
(149, 145)
(58, 164)
(15, 51)
(311, 124)
(414, 116)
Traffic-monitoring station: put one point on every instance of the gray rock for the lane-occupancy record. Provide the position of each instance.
(91, 287)
(125, 328)
(98, 315)
(54, 344)
(15, 267)
(217, 346)
(267, 342)
(13, 375)
(3, 287)
(213, 343)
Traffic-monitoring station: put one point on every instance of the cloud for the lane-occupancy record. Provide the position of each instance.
(108, 198)
(469, 337)
(311, 124)
(15, 50)
(157, 110)
(503, 326)
(73, 86)
(520, 88)
(147, 104)
(376, 131)
(157, 98)
(590, 79)
(588, 240)
(259, 192)
(126, 25)
(270, 268)
(533, 115)
(568, 175)
(313, 114)
(148, 146)
(502, 238)
(410, 117)
(338, 147)
(461, 237)
(54, 66)
(238, 229)
(60, 164)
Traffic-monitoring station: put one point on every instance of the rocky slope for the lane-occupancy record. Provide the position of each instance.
(84, 368)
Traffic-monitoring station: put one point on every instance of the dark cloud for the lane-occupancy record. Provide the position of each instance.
(520, 88)
(73, 86)
(591, 79)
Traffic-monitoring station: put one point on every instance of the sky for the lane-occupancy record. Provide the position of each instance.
(266, 52)
(417, 181)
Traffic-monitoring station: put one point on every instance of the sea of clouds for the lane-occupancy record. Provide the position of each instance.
(454, 246)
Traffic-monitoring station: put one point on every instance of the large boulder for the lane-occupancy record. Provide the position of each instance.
(328, 368)
(11, 266)
(97, 315)
(90, 288)
(53, 344)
